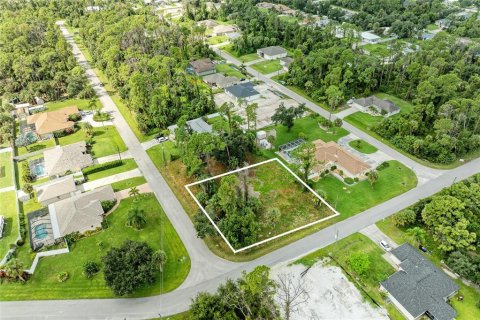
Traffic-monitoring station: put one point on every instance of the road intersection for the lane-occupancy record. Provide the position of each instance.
(208, 270)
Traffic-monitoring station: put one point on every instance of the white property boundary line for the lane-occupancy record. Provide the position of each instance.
(336, 213)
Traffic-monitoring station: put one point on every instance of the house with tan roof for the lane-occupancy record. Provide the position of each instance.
(56, 190)
(223, 29)
(330, 154)
(80, 213)
(70, 158)
(48, 123)
(201, 67)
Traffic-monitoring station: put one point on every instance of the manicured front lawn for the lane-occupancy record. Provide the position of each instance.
(362, 146)
(158, 231)
(37, 146)
(467, 308)
(349, 200)
(108, 169)
(156, 154)
(244, 58)
(369, 282)
(8, 210)
(106, 141)
(268, 66)
(6, 175)
(309, 127)
(30, 205)
(128, 183)
(82, 104)
(229, 70)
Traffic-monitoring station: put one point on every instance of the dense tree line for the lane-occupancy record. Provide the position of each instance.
(35, 59)
(452, 218)
(145, 58)
(442, 79)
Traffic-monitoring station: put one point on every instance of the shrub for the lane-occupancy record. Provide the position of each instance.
(75, 117)
(359, 262)
(101, 116)
(356, 179)
(404, 218)
(108, 204)
(348, 180)
(20, 242)
(101, 167)
(333, 168)
(383, 165)
(90, 268)
(62, 276)
(71, 238)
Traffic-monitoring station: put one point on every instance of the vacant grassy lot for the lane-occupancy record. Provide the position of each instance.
(6, 174)
(94, 172)
(310, 128)
(268, 66)
(44, 283)
(37, 146)
(82, 104)
(362, 146)
(157, 153)
(106, 141)
(8, 209)
(276, 188)
(348, 200)
(467, 308)
(378, 49)
(244, 58)
(229, 70)
(217, 39)
(369, 282)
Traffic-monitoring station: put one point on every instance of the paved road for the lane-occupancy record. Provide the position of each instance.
(423, 173)
(208, 271)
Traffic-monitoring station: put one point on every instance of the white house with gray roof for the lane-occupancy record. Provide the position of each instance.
(373, 104)
(272, 53)
(243, 91)
(419, 288)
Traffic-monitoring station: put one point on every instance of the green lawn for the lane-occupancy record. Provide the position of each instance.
(309, 127)
(267, 66)
(432, 27)
(362, 146)
(348, 200)
(91, 173)
(82, 104)
(6, 175)
(37, 146)
(378, 271)
(30, 205)
(128, 183)
(106, 141)
(156, 154)
(466, 309)
(244, 58)
(378, 49)
(229, 70)
(290, 19)
(158, 231)
(8, 209)
(217, 39)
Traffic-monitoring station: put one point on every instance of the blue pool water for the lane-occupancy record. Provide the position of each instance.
(39, 169)
(41, 231)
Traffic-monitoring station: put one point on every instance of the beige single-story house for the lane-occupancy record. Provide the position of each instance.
(80, 213)
(70, 158)
(47, 123)
(201, 67)
(330, 153)
(209, 23)
(272, 53)
(220, 81)
(56, 190)
(222, 30)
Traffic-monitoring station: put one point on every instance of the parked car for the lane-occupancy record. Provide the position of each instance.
(161, 138)
(385, 245)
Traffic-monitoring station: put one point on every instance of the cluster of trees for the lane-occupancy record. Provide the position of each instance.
(130, 266)
(441, 79)
(6, 124)
(452, 218)
(235, 212)
(145, 57)
(35, 59)
(262, 29)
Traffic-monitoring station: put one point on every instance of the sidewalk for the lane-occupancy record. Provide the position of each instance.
(110, 179)
(345, 113)
(113, 157)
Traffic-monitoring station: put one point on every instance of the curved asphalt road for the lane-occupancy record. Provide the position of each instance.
(208, 271)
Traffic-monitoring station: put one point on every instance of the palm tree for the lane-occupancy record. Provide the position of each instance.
(14, 270)
(373, 177)
(417, 234)
(133, 192)
(159, 259)
(87, 127)
(136, 218)
(28, 189)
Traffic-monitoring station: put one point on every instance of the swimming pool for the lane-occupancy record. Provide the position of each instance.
(41, 231)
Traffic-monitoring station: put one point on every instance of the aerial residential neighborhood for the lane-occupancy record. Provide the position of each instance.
(234, 159)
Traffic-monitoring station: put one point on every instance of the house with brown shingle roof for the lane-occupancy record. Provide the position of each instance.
(330, 154)
(47, 123)
(201, 67)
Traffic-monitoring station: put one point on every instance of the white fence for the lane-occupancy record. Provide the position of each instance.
(45, 254)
